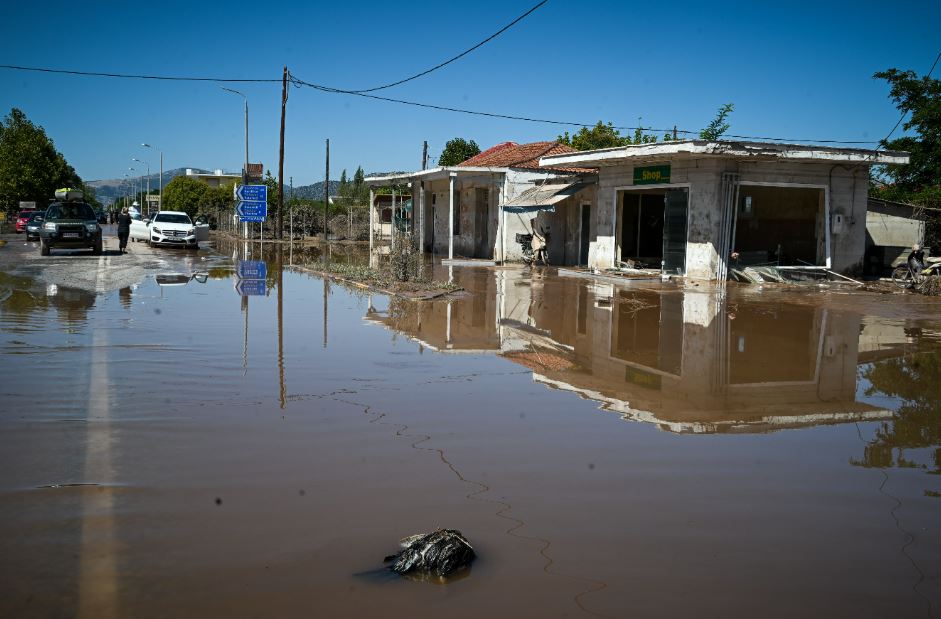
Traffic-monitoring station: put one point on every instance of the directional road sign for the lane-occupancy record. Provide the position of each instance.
(252, 193)
(251, 287)
(252, 211)
(252, 269)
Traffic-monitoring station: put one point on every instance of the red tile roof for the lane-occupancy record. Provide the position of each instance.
(513, 155)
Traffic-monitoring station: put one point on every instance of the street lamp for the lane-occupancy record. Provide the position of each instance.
(141, 185)
(148, 182)
(245, 169)
(160, 195)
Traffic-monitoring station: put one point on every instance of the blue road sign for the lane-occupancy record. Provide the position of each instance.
(252, 193)
(252, 269)
(252, 209)
(251, 287)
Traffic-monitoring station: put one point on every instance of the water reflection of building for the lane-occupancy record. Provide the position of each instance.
(687, 361)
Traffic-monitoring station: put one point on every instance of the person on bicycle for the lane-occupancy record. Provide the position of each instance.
(916, 259)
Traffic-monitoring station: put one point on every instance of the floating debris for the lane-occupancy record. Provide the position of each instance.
(440, 553)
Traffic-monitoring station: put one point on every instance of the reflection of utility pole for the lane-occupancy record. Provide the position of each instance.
(280, 322)
(326, 293)
(245, 342)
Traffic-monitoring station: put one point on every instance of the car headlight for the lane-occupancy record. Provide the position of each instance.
(49, 226)
(157, 230)
(91, 227)
(191, 231)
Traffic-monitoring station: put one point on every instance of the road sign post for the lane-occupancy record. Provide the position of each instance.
(253, 202)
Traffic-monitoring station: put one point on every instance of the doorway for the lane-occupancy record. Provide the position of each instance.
(652, 228)
(584, 235)
(482, 224)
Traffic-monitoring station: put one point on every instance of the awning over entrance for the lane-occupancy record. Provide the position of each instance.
(542, 198)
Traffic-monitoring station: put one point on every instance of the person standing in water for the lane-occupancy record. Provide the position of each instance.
(124, 229)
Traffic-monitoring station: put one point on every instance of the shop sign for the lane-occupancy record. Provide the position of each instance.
(652, 175)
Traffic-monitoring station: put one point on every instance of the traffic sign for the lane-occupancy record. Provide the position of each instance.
(252, 209)
(251, 287)
(252, 193)
(252, 269)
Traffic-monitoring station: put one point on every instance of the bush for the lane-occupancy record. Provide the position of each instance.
(405, 261)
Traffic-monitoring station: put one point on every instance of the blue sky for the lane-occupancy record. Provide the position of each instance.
(793, 69)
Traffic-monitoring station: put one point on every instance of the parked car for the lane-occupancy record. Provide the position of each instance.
(172, 228)
(140, 230)
(34, 225)
(70, 225)
(102, 215)
(21, 220)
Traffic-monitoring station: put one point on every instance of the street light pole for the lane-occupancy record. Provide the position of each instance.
(160, 181)
(245, 169)
(146, 199)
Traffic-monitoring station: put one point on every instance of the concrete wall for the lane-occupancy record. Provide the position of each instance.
(847, 198)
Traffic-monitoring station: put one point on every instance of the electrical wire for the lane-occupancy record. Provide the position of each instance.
(171, 78)
(905, 112)
(459, 56)
(299, 82)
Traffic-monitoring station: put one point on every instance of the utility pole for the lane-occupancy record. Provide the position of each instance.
(674, 133)
(291, 206)
(284, 103)
(424, 156)
(326, 193)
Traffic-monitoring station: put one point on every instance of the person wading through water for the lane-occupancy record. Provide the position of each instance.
(124, 229)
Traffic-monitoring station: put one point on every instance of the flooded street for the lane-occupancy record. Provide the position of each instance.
(171, 448)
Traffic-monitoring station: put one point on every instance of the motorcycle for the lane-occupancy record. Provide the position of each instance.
(531, 256)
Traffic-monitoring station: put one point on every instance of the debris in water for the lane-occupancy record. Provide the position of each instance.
(441, 553)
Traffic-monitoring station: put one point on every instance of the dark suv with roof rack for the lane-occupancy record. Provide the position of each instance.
(70, 225)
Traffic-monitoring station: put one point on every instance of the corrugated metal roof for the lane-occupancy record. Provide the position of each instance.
(544, 195)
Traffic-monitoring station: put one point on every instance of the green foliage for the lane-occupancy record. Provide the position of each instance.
(458, 151)
(605, 136)
(718, 126)
(184, 193)
(917, 182)
(920, 98)
(30, 166)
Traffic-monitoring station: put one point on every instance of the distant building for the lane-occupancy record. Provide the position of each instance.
(218, 178)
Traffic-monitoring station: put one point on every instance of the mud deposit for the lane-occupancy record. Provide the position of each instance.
(179, 450)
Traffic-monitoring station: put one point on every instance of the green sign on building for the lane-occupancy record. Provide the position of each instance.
(652, 175)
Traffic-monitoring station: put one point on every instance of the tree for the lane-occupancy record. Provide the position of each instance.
(605, 135)
(718, 126)
(920, 98)
(458, 151)
(184, 193)
(30, 166)
(917, 182)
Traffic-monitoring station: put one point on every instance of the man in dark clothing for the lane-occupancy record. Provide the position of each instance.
(124, 229)
(916, 259)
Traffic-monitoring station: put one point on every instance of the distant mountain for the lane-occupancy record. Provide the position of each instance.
(108, 190)
(312, 192)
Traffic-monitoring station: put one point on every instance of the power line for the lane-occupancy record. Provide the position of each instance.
(450, 60)
(444, 108)
(905, 112)
(299, 82)
(171, 78)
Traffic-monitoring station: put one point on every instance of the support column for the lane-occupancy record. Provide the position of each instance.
(421, 215)
(372, 218)
(392, 229)
(451, 215)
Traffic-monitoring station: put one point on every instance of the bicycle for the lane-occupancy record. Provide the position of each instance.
(905, 278)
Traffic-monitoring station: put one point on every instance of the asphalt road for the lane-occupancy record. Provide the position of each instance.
(110, 271)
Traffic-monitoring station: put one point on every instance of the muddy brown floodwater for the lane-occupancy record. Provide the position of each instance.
(174, 449)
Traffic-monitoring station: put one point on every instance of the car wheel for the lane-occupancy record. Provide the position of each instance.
(96, 249)
(43, 248)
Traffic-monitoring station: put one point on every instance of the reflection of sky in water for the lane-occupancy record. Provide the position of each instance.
(878, 399)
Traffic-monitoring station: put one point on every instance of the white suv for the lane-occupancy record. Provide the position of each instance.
(172, 228)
